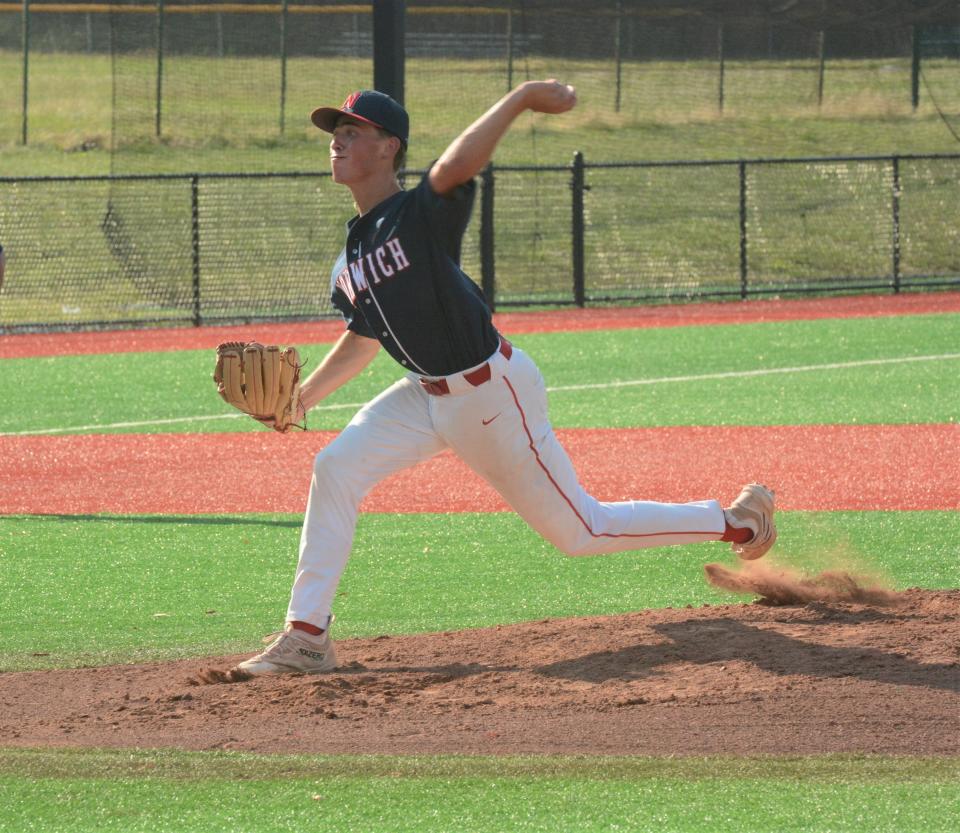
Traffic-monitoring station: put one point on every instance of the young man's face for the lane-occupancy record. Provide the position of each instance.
(358, 152)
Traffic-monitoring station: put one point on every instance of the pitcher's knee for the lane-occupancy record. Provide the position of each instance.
(587, 548)
(573, 542)
(326, 462)
(333, 470)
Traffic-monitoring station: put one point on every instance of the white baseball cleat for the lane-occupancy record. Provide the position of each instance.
(753, 510)
(293, 652)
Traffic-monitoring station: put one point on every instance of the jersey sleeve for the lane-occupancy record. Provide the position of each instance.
(447, 215)
(356, 321)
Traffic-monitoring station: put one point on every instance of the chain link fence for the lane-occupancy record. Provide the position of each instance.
(73, 264)
(576, 234)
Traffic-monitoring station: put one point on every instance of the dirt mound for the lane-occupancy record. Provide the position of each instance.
(214, 676)
(736, 679)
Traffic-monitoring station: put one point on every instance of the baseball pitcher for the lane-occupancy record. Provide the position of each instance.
(399, 286)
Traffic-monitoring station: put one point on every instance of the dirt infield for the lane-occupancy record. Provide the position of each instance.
(812, 467)
(736, 679)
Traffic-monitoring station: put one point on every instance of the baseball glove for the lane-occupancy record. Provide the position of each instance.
(263, 381)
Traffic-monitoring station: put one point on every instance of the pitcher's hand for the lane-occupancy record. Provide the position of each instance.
(550, 96)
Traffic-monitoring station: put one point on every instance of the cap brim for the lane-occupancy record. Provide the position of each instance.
(326, 118)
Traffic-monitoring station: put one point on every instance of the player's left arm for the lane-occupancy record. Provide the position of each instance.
(469, 153)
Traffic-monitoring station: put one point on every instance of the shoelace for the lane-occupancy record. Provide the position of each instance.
(269, 641)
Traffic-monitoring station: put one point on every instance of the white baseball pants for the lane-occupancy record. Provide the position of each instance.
(501, 430)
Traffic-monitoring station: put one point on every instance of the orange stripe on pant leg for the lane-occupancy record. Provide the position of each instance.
(586, 526)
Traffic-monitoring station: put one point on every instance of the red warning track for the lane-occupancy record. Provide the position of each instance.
(815, 467)
(514, 323)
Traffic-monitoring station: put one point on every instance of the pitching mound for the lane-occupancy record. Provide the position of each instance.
(737, 679)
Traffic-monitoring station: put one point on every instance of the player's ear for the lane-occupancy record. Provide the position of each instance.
(391, 146)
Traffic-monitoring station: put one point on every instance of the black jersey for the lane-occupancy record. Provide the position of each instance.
(399, 280)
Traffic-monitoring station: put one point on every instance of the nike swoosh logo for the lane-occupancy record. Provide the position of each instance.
(488, 421)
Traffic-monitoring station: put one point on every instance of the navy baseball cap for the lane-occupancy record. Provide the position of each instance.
(368, 106)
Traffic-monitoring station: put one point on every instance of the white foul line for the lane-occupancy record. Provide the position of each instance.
(731, 374)
(743, 374)
(147, 422)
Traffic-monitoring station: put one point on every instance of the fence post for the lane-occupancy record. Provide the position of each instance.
(895, 204)
(25, 33)
(195, 246)
(283, 66)
(618, 54)
(742, 169)
(488, 281)
(722, 59)
(577, 186)
(160, 17)
(510, 47)
(821, 54)
(915, 66)
(389, 57)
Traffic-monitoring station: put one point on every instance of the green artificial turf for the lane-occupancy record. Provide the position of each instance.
(619, 368)
(137, 588)
(133, 791)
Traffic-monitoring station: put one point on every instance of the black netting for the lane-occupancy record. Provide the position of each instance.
(231, 247)
(227, 87)
(71, 263)
(929, 206)
(11, 73)
(938, 47)
(651, 233)
(273, 263)
(66, 102)
(820, 223)
(768, 227)
(244, 76)
(532, 234)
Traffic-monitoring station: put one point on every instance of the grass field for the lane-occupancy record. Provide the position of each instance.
(147, 791)
(669, 111)
(163, 587)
